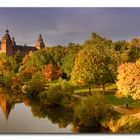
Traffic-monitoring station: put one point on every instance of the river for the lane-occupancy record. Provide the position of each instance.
(21, 120)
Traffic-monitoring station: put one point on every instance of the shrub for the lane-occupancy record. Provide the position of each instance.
(35, 86)
(93, 110)
(57, 94)
(125, 124)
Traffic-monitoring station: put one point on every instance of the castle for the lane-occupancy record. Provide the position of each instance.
(9, 46)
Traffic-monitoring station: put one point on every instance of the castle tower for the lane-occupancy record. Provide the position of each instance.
(6, 44)
(39, 43)
(13, 41)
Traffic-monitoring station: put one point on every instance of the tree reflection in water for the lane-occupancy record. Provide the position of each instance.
(57, 115)
(62, 116)
(7, 101)
(79, 128)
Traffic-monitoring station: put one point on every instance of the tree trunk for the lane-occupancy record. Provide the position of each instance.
(103, 88)
(90, 90)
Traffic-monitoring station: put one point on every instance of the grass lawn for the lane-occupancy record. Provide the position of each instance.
(121, 102)
(110, 96)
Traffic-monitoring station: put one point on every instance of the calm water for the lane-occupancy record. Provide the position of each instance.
(22, 115)
(21, 120)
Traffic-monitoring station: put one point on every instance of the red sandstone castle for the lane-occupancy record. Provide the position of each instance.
(8, 45)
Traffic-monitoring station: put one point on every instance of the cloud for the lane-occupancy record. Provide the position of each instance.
(63, 25)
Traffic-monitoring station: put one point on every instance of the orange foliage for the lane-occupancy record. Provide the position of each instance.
(51, 73)
(27, 72)
(129, 80)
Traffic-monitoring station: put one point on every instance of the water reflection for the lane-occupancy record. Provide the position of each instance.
(57, 115)
(7, 102)
(31, 116)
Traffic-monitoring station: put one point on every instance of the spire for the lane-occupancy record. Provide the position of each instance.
(40, 36)
(6, 35)
(7, 31)
(39, 42)
(13, 41)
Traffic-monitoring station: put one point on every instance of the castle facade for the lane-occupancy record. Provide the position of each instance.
(9, 46)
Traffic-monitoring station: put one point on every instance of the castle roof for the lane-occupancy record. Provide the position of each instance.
(6, 36)
(23, 48)
(9, 46)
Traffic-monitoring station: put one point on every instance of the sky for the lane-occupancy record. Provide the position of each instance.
(60, 26)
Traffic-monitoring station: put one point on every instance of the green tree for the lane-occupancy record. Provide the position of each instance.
(36, 59)
(18, 57)
(92, 110)
(7, 70)
(134, 49)
(35, 86)
(58, 94)
(94, 64)
(120, 46)
(68, 61)
(57, 53)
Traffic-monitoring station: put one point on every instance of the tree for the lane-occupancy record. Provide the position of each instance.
(57, 53)
(18, 57)
(51, 72)
(134, 50)
(68, 61)
(7, 70)
(82, 72)
(92, 110)
(36, 85)
(26, 74)
(94, 64)
(37, 59)
(58, 94)
(120, 46)
(128, 80)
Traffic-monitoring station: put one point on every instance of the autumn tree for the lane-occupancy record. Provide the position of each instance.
(128, 80)
(26, 74)
(57, 53)
(51, 72)
(7, 70)
(37, 59)
(134, 49)
(68, 61)
(120, 45)
(82, 72)
(94, 64)
(35, 85)
(18, 57)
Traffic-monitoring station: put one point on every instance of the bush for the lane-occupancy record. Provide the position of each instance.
(35, 86)
(57, 94)
(54, 95)
(129, 125)
(126, 124)
(92, 110)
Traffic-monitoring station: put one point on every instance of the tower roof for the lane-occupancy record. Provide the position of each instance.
(13, 41)
(6, 36)
(39, 42)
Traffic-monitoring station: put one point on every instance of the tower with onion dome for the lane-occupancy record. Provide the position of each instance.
(39, 43)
